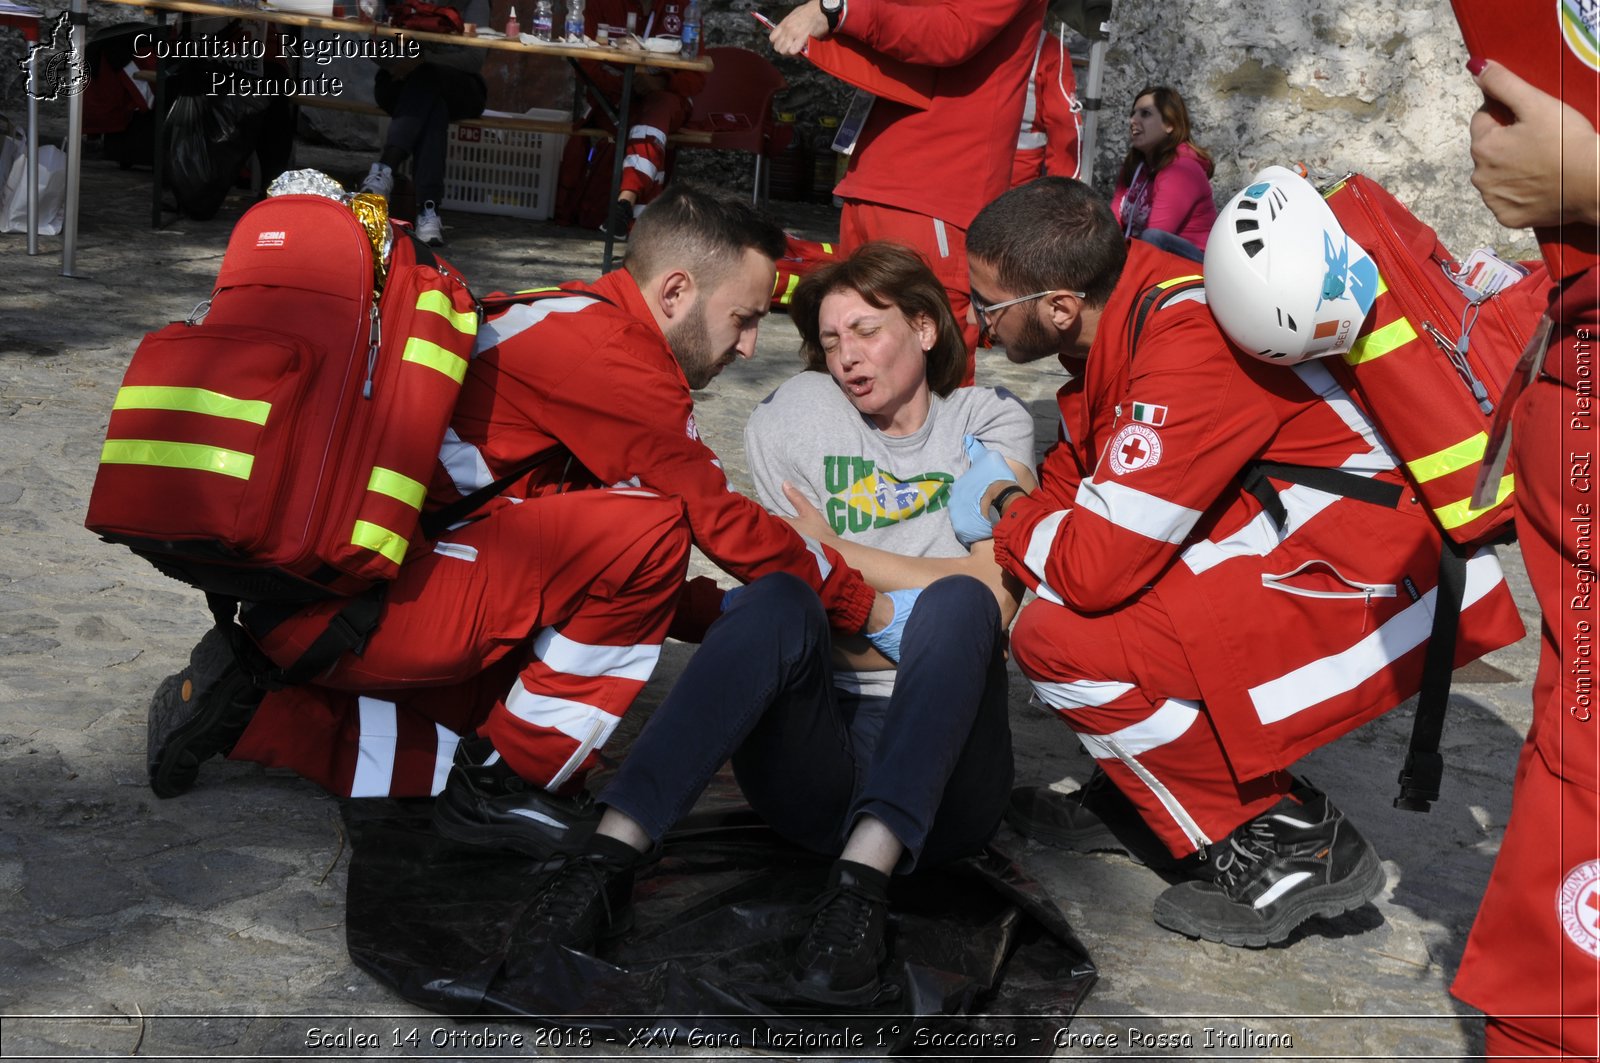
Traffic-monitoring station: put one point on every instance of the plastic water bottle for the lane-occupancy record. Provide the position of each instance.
(575, 21)
(544, 20)
(691, 30)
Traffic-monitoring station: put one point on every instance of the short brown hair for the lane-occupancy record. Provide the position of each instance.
(885, 275)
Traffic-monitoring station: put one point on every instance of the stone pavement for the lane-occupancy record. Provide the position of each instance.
(212, 925)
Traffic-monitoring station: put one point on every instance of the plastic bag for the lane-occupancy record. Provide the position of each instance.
(208, 140)
(52, 192)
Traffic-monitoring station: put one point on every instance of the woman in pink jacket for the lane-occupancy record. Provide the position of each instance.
(1163, 192)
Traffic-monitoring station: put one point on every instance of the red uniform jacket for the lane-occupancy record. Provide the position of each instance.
(595, 381)
(906, 158)
(1295, 635)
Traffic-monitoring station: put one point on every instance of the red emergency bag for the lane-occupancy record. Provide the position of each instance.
(279, 449)
(1430, 363)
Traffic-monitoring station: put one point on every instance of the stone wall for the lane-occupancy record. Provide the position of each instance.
(1376, 87)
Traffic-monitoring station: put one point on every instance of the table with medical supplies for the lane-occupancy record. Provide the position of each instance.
(629, 59)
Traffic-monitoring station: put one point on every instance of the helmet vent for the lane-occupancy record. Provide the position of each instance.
(1247, 204)
(1246, 225)
(1253, 247)
(1277, 199)
(1286, 320)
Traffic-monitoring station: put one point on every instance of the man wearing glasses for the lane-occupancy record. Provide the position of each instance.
(1211, 604)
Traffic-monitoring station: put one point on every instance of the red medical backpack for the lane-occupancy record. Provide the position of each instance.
(1430, 364)
(280, 448)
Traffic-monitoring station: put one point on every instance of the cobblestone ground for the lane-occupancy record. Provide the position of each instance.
(212, 925)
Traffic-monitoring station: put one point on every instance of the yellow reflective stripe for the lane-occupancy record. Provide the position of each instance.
(434, 356)
(168, 455)
(534, 291)
(192, 400)
(379, 540)
(788, 293)
(1451, 459)
(1380, 342)
(1178, 280)
(1383, 286)
(396, 485)
(435, 302)
(1460, 512)
(827, 249)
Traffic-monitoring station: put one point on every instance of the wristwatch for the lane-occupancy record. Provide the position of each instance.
(997, 508)
(833, 11)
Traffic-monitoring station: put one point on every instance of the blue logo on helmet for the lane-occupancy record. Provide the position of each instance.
(1256, 191)
(1360, 280)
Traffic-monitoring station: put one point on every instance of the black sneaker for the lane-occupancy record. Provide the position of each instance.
(1079, 821)
(198, 713)
(1095, 818)
(586, 898)
(485, 803)
(1299, 859)
(619, 220)
(837, 961)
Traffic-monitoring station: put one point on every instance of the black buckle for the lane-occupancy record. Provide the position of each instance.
(1419, 781)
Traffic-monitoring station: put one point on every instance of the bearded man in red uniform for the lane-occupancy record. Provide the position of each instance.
(537, 621)
(918, 177)
(1198, 636)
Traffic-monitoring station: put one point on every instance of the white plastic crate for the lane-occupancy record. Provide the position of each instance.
(504, 171)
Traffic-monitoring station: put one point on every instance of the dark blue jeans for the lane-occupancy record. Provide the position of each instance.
(932, 762)
(421, 107)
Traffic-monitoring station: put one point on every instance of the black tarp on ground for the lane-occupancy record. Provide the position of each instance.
(979, 956)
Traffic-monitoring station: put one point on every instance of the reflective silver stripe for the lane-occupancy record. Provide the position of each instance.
(1377, 457)
(1169, 801)
(647, 132)
(644, 166)
(1261, 535)
(824, 568)
(1080, 693)
(1040, 541)
(1168, 723)
(1196, 294)
(444, 754)
(464, 462)
(1137, 511)
(942, 237)
(577, 658)
(375, 747)
(524, 316)
(1338, 673)
(584, 724)
(1028, 140)
(459, 551)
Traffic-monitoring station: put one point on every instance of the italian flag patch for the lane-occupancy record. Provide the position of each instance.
(1146, 413)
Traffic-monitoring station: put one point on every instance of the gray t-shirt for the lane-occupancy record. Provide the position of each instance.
(888, 492)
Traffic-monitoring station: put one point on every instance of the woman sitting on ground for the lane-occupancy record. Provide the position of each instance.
(1163, 193)
(887, 770)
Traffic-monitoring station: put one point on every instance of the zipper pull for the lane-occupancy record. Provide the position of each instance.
(374, 340)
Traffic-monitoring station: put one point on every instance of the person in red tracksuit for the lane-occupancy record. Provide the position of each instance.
(1050, 140)
(537, 621)
(918, 177)
(662, 100)
(1198, 638)
(1532, 962)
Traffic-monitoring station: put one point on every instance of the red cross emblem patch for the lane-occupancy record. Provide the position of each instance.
(1578, 905)
(1135, 447)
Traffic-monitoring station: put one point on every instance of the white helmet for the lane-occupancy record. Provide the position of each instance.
(1283, 280)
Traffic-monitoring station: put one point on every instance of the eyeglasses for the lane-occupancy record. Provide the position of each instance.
(982, 310)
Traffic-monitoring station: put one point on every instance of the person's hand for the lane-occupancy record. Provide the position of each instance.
(1539, 168)
(886, 640)
(791, 36)
(968, 514)
(808, 520)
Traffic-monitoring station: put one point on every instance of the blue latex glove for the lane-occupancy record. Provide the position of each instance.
(967, 515)
(887, 640)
